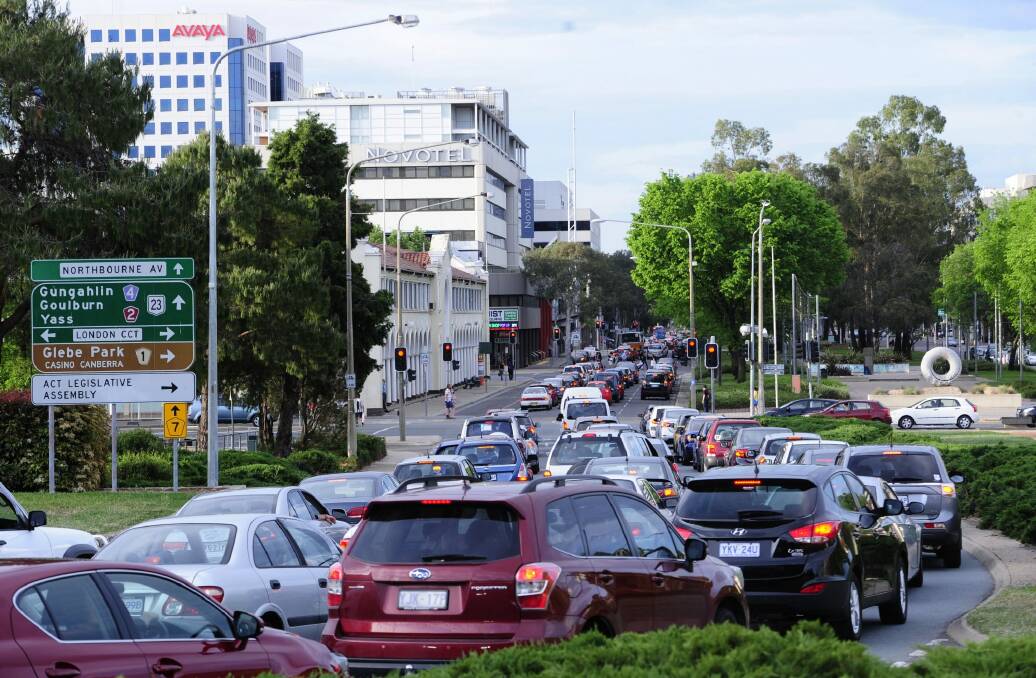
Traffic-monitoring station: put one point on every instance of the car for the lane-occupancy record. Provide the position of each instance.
(615, 428)
(559, 387)
(817, 452)
(1030, 358)
(552, 390)
(656, 471)
(868, 410)
(918, 473)
(269, 565)
(614, 379)
(803, 406)
(583, 423)
(606, 390)
(1029, 412)
(349, 492)
(572, 379)
(498, 458)
(484, 566)
(631, 367)
(655, 384)
(902, 523)
(573, 409)
(226, 413)
(536, 396)
(715, 439)
(747, 441)
(24, 534)
(668, 422)
(476, 427)
(941, 411)
(295, 502)
(651, 419)
(772, 444)
(577, 372)
(688, 447)
(446, 446)
(441, 466)
(93, 618)
(661, 449)
(580, 392)
(808, 539)
(572, 448)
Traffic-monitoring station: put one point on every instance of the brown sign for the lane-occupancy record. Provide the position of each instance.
(124, 357)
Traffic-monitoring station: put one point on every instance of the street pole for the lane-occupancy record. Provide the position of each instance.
(816, 301)
(51, 481)
(794, 332)
(212, 385)
(773, 291)
(1021, 344)
(751, 330)
(762, 321)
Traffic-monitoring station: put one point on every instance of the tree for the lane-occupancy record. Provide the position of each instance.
(721, 213)
(738, 148)
(561, 271)
(415, 240)
(959, 291)
(613, 291)
(905, 197)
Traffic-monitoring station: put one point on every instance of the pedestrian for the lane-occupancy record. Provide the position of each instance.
(447, 397)
(706, 399)
(500, 372)
(361, 412)
(510, 371)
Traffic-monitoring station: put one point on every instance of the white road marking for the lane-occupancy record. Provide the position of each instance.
(918, 653)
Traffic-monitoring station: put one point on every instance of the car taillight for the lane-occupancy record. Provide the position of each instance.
(935, 526)
(214, 592)
(436, 502)
(564, 426)
(816, 533)
(343, 543)
(668, 492)
(547, 474)
(949, 490)
(523, 473)
(357, 512)
(813, 588)
(533, 584)
(710, 450)
(741, 452)
(684, 532)
(334, 585)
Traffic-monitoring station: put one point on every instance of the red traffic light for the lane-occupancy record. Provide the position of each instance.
(447, 351)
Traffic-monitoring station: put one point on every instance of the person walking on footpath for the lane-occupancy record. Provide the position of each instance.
(510, 371)
(447, 397)
(361, 411)
(706, 399)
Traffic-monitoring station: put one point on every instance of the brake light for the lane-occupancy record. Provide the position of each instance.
(751, 482)
(547, 474)
(891, 452)
(214, 592)
(813, 588)
(343, 542)
(436, 502)
(935, 526)
(533, 584)
(668, 492)
(589, 435)
(816, 533)
(356, 512)
(523, 474)
(949, 490)
(334, 586)
(564, 426)
(683, 532)
(710, 449)
(741, 452)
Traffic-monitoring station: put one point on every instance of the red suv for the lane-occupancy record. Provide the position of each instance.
(857, 409)
(68, 618)
(437, 572)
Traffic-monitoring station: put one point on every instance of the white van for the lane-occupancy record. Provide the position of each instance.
(581, 392)
(574, 408)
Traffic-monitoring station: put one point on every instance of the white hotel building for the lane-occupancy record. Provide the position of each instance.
(175, 53)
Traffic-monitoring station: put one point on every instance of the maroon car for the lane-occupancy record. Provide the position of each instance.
(716, 441)
(435, 573)
(868, 410)
(77, 619)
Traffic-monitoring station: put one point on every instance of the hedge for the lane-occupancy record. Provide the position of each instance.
(254, 469)
(140, 440)
(82, 445)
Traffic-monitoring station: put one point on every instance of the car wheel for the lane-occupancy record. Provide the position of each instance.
(254, 421)
(849, 624)
(895, 610)
(950, 556)
(906, 422)
(917, 581)
(964, 421)
(725, 615)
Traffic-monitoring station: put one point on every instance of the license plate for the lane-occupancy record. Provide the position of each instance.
(918, 497)
(423, 600)
(135, 606)
(739, 550)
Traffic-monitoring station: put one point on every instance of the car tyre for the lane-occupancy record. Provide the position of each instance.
(895, 610)
(725, 615)
(950, 557)
(917, 581)
(254, 421)
(906, 422)
(849, 625)
(964, 421)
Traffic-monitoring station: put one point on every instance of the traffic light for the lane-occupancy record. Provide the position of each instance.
(411, 375)
(400, 358)
(692, 347)
(557, 332)
(712, 355)
(455, 364)
(800, 350)
(514, 335)
(599, 323)
(447, 352)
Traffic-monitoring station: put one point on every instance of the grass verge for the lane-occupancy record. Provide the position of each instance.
(734, 395)
(1011, 613)
(104, 513)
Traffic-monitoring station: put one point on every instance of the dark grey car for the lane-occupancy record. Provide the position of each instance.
(918, 473)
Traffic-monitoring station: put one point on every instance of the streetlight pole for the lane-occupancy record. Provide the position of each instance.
(212, 397)
(399, 297)
(759, 298)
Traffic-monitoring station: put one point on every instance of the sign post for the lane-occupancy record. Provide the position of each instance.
(174, 427)
(50, 449)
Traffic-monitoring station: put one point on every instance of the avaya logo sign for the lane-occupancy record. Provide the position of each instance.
(252, 33)
(198, 31)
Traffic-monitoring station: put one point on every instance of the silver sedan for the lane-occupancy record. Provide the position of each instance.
(272, 566)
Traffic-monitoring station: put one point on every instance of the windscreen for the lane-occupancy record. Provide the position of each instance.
(906, 467)
(447, 449)
(728, 428)
(8, 516)
(214, 504)
(174, 544)
(651, 469)
(586, 409)
(573, 450)
(441, 533)
(343, 489)
(483, 427)
(488, 455)
(749, 500)
(405, 472)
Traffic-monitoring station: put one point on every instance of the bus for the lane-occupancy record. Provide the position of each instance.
(633, 338)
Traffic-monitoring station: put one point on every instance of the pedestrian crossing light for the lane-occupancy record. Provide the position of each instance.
(712, 355)
(557, 332)
(447, 352)
(411, 375)
(514, 335)
(692, 347)
(400, 358)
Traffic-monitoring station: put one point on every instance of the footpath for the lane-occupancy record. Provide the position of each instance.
(1011, 564)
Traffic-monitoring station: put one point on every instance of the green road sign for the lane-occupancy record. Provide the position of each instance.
(118, 303)
(158, 268)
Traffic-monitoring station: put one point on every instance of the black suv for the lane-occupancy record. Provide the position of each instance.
(808, 539)
(918, 473)
(655, 384)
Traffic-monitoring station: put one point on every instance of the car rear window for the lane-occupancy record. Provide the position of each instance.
(818, 452)
(722, 428)
(449, 532)
(535, 391)
(749, 436)
(748, 500)
(897, 467)
(490, 454)
(217, 505)
(343, 489)
(587, 409)
(646, 468)
(173, 544)
(483, 427)
(405, 472)
(574, 450)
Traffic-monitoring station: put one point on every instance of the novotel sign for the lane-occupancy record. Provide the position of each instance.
(462, 154)
(207, 31)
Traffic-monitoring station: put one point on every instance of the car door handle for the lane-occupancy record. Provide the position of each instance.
(166, 667)
(658, 580)
(63, 670)
(322, 583)
(607, 577)
(274, 584)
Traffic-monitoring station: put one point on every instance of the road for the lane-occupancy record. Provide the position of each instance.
(945, 596)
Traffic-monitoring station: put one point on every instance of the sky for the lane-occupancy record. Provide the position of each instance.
(648, 79)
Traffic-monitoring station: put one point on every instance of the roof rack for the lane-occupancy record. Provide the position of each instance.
(561, 481)
(432, 481)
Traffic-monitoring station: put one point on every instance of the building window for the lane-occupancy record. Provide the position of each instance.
(147, 35)
(404, 205)
(213, 56)
(199, 81)
(96, 56)
(149, 58)
(165, 81)
(95, 35)
(149, 151)
(199, 104)
(496, 211)
(149, 128)
(149, 80)
(163, 35)
(113, 35)
(181, 105)
(133, 152)
(419, 172)
(130, 58)
(463, 117)
(359, 124)
(164, 59)
(217, 104)
(166, 150)
(496, 180)
(130, 34)
(165, 105)
(183, 127)
(199, 127)
(199, 58)
(219, 81)
(166, 128)
(181, 81)
(219, 126)
(181, 58)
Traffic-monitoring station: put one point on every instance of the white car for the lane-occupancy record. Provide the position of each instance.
(23, 534)
(941, 411)
(536, 396)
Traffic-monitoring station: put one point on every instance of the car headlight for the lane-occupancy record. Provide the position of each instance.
(100, 540)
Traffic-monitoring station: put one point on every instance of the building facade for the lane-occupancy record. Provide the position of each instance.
(1015, 186)
(175, 53)
(553, 214)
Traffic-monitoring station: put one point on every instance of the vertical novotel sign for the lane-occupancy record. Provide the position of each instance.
(527, 211)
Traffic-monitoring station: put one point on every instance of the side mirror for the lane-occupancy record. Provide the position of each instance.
(37, 519)
(560, 417)
(246, 625)
(686, 481)
(914, 508)
(696, 550)
(892, 507)
(957, 478)
(484, 476)
(340, 514)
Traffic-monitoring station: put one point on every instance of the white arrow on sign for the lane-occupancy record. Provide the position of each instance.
(178, 268)
(167, 333)
(47, 335)
(167, 356)
(178, 302)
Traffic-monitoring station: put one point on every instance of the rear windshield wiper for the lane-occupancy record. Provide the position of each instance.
(447, 557)
(911, 480)
(759, 514)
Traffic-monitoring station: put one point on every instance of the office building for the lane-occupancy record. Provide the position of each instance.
(553, 214)
(1015, 186)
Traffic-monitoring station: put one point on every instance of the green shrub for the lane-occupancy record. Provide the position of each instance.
(315, 462)
(140, 440)
(144, 469)
(369, 449)
(994, 657)
(82, 444)
(260, 475)
(857, 429)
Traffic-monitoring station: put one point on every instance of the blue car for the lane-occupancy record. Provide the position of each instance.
(225, 413)
(497, 455)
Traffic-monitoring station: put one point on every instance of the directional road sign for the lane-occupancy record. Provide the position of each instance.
(773, 369)
(125, 387)
(174, 420)
(113, 326)
(159, 268)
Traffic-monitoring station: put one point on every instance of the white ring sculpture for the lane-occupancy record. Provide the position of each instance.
(928, 362)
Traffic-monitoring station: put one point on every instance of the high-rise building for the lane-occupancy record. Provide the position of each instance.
(553, 217)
